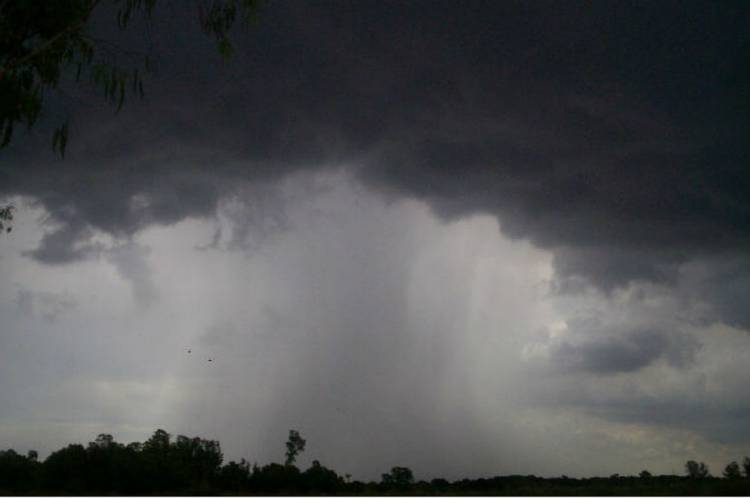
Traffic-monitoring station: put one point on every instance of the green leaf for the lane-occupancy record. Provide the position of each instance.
(60, 139)
(122, 95)
(8, 134)
(225, 48)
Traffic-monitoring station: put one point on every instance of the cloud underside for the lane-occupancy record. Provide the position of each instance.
(624, 173)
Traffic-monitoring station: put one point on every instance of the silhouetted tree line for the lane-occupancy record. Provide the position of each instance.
(194, 466)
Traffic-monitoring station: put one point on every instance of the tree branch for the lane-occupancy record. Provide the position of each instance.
(50, 42)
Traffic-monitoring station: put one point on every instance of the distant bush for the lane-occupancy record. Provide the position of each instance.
(696, 470)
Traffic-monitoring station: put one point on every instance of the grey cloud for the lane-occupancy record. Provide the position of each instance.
(729, 300)
(131, 262)
(48, 305)
(614, 267)
(81, 200)
(566, 123)
(254, 215)
(66, 243)
(710, 415)
(723, 283)
(646, 371)
(341, 344)
(386, 336)
(605, 354)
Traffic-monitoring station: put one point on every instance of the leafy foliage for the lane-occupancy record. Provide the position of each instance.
(294, 446)
(696, 470)
(6, 217)
(399, 477)
(18, 474)
(183, 465)
(732, 471)
(40, 40)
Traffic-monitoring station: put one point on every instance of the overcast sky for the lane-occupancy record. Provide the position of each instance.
(468, 238)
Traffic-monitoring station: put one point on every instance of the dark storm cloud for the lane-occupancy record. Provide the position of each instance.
(614, 266)
(604, 354)
(64, 244)
(611, 133)
(725, 288)
(710, 414)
